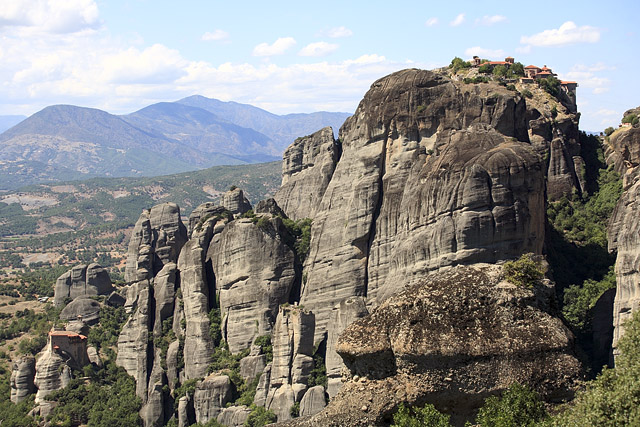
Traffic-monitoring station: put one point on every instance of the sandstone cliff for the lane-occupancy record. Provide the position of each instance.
(82, 280)
(624, 227)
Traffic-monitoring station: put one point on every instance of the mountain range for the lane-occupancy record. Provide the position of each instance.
(64, 142)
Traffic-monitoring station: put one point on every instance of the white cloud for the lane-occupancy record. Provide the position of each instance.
(587, 77)
(568, 33)
(606, 112)
(318, 49)
(431, 22)
(215, 35)
(49, 16)
(484, 53)
(339, 32)
(458, 20)
(278, 47)
(490, 20)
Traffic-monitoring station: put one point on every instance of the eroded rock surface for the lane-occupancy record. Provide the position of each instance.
(22, 375)
(451, 341)
(307, 168)
(235, 201)
(82, 280)
(254, 273)
(432, 173)
(624, 229)
(211, 396)
(155, 241)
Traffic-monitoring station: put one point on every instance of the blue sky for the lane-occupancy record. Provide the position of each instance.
(286, 56)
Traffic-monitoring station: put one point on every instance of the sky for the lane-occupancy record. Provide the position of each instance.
(299, 57)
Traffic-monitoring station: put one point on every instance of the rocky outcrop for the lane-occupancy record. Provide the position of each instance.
(164, 293)
(234, 416)
(286, 380)
(254, 273)
(235, 201)
(459, 336)
(197, 283)
(82, 308)
(344, 314)
(211, 396)
(307, 168)
(22, 375)
(432, 173)
(624, 229)
(155, 241)
(252, 365)
(52, 373)
(313, 401)
(82, 280)
(134, 352)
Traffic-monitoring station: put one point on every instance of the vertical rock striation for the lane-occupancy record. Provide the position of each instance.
(82, 280)
(307, 168)
(624, 229)
(254, 273)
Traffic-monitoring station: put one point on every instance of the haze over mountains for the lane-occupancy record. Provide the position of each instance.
(65, 142)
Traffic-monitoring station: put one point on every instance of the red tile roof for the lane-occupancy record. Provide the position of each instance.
(67, 334)
(532, 66)
(568, 83)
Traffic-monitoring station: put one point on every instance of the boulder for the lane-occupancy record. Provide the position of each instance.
(22, 376)
(115, 300)
(451, 340)
(82, 308)
(235, 201)
(234, 416)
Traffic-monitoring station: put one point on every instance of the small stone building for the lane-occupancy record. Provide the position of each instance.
(69, 345)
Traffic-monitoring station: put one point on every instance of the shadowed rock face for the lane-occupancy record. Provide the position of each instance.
(432, 173)
(452, 340)
(624, 229)
(307, 167)
(156, 240)
(82, 280)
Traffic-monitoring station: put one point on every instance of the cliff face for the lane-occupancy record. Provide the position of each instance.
(624, 227)
(432, 173)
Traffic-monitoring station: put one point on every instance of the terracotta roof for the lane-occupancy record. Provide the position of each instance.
(544, 67)
(568, 83)
(494, 63)
(67, 334)
(544, 73)
(532, 66)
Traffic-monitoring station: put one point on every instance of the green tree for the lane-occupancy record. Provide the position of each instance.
(608, 131)
(500, 71)
(613, 398)
(485, 69)
(519, 406)
(550, 84)
(524, 271)
(458, 64)
(418, 417)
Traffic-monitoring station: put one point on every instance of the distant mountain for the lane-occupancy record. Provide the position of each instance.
(63, 142)
(8, 121)
(202, 130)
(283, 130)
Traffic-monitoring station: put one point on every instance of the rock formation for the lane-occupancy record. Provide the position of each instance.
(22, 375)
(307, 168)
(155, 241)
(432, 173)
(452, 340)
(211, 396)
(235, 201)
(82, 280)
(254, 273)
(82, 308)
(624, 228)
